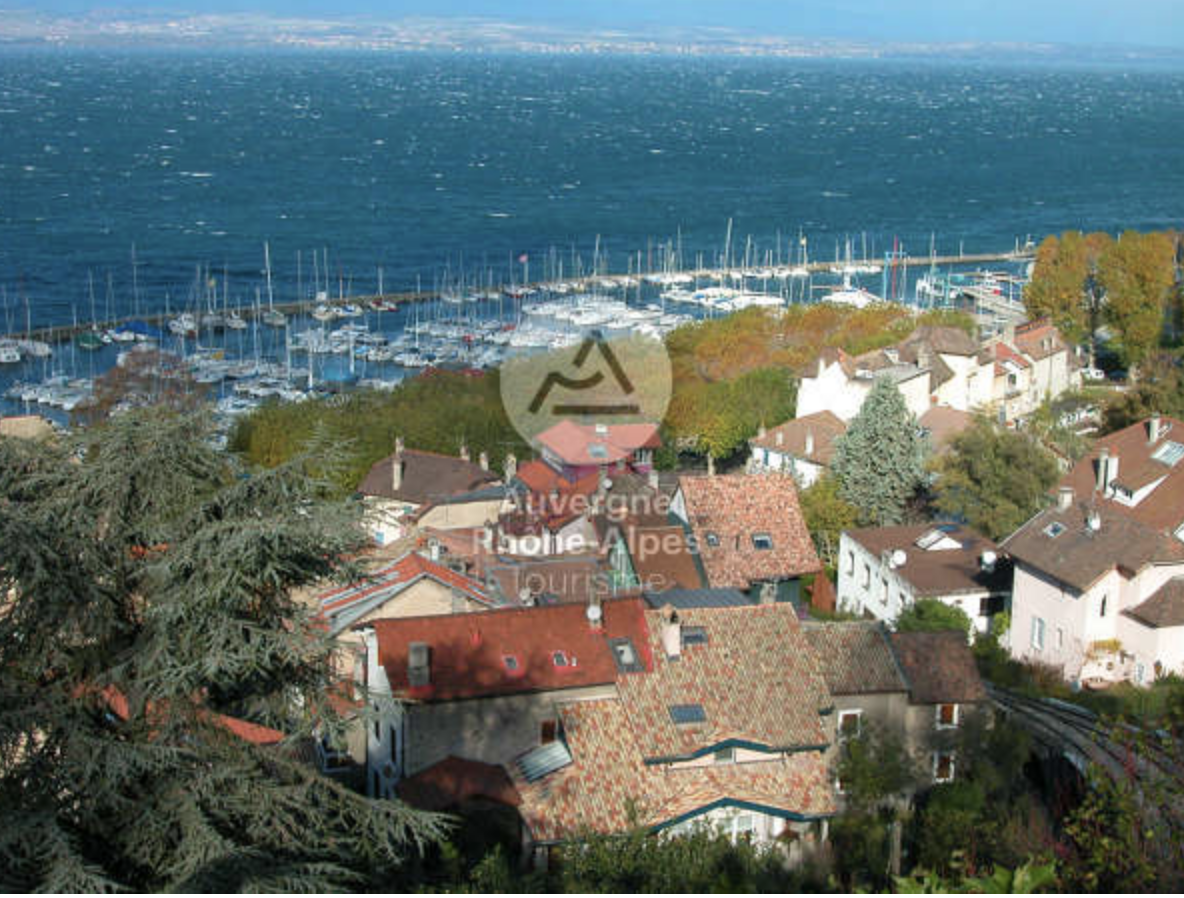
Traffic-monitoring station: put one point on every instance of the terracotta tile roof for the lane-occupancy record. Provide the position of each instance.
(427, 476)
(1038, 339)
(344, 604)
(1004, 353)
(1163, 509)
(855, 657)
(728, 510)
(1163, 608)
(254, 733)
(571, 441)
(467, 652)
(934, 571)
(944, 423)
(831, 354)
(1078, 556)
(609, 777)
(756, 679)
(825, 427)
(454, 781)
(939, 667)
(939, 339)
(662, 557)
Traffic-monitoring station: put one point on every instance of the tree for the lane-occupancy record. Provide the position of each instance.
(827, 516)
(1060, 288)
(1138, 273)
(993, 479)
(932, 616)
(875, 768)
(150, 605)
(879, 461)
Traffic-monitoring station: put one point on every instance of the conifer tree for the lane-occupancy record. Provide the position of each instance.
(145, 600)
(880, 460)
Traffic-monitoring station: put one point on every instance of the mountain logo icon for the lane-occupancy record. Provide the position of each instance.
(594, 341)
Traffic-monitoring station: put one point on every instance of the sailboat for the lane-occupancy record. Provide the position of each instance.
(273, 317)
(90, 340)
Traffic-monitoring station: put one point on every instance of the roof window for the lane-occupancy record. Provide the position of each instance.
(712, 538)
(1169, 453)
(685, 714)
(1055, 529)
(510, 662)
(762, 541)
(625, 655)
(559, 659)
(598, 450)
(694, 636)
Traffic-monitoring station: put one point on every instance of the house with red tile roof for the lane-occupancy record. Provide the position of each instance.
(582, 449)
(942, 366)
(919, 687)
(409, 480)
(705, 714)
(1097, 585)
(883, 571)
(802, 447)
(748, 532)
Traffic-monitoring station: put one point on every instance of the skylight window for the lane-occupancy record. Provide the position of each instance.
(598, 450)
(762, 541)
(559, 659)
(1055, 529)
(511, 662)
(625, 655)
(712, 538)
(694, 636)
(684, 714)
(1169, 453)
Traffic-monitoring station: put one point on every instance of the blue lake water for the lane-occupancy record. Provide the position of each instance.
(434, 165)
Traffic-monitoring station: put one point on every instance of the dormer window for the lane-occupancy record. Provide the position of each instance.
(762, 542)
(559, 659)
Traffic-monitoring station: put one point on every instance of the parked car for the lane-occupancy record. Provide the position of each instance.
(1093, 374)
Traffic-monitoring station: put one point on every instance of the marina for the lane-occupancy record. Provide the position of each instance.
(240, 357)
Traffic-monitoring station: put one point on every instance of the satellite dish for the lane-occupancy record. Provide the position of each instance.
(594, 614)
(988, 561)
(898, 559)
(1094, 521)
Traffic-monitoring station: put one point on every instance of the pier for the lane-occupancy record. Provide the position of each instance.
(66, 332)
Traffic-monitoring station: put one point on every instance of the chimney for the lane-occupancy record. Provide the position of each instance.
(768, 593)
(760, 431)
(487, 536)
(710, 465)
(464, 452)
(671, 633)
(483, 461)
(398, 445)
(1065, 498)
(779, 438)
(397, 464)
(1112, 473)
(1153, 430)
(434, 549)
(419, 669)
(511, 466)
(1103, 465)
(809, 443)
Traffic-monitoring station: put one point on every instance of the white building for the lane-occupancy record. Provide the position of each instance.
(1097, 594)
(802, 447)
(885, 570)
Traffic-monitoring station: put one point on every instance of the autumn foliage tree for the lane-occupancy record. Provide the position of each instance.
(1137, 273)
(1060, 288)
